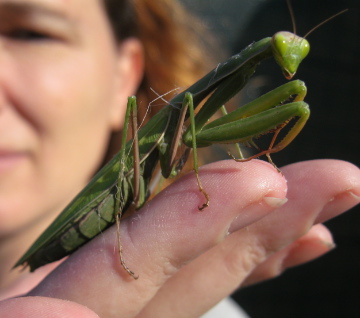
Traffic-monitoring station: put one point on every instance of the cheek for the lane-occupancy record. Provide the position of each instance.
(78, 123)
(74, 103)
(66, 109)
(77, 94)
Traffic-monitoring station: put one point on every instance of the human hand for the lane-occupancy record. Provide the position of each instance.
(187, 260)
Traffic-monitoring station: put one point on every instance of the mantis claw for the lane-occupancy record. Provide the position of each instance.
(207, 203)
(201, 189)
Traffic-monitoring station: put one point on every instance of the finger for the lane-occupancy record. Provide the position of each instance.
(166, 234)
(333, 181)
(218, 272)
(315, 243)
(44, 307)
(229, 263)
(317, 191)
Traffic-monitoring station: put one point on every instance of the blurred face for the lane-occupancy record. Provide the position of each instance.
(64, 83)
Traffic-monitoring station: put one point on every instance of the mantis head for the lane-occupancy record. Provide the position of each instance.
(289, 50)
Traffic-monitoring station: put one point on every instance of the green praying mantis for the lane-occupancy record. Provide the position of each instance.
(123, 183)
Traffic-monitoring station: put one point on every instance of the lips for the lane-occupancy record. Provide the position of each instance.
(10, 159)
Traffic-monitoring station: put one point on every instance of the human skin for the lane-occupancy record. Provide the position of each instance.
(180, 253)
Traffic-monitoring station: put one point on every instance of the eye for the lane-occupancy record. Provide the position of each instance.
(27, 35)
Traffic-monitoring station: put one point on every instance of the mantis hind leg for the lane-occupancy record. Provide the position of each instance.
(131, 114)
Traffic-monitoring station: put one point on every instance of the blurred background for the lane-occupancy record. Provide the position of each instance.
(329, 286)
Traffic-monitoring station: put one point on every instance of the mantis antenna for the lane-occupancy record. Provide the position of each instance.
(292, 15)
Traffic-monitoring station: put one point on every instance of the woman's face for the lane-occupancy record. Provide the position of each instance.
(64, 84)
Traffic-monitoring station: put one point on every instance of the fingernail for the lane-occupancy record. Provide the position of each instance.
(255, 212)
(355, 196)
(275, 202)
(303, 252)
(329, 245)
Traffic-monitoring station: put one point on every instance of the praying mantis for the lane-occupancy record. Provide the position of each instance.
(123, 183)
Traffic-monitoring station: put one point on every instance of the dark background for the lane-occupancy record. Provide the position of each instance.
(329, 286)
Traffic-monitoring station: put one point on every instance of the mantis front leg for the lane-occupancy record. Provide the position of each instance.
(266, 114)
